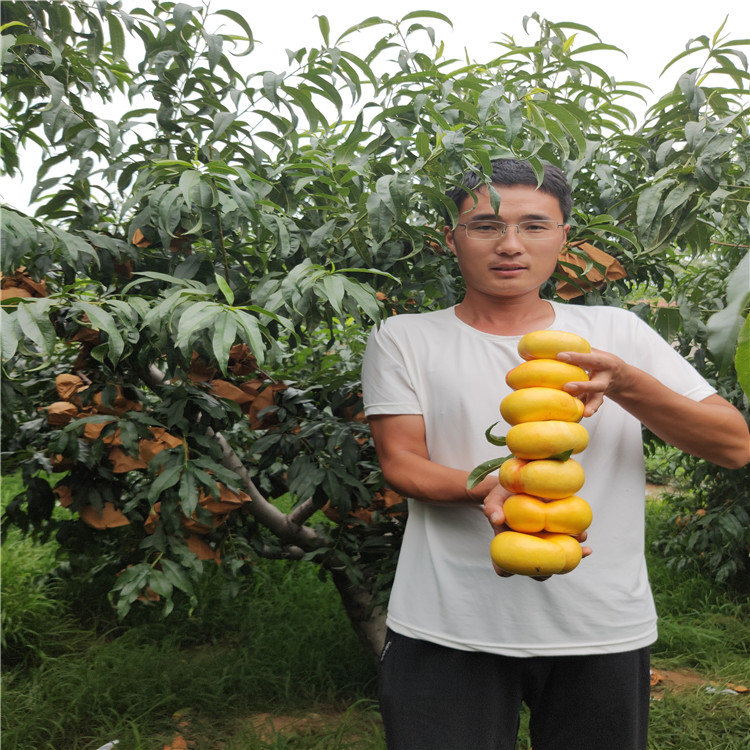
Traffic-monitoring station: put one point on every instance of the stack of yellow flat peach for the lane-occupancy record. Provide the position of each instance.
(544, 513)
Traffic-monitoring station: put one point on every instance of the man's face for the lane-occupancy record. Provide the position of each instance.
(509, 266)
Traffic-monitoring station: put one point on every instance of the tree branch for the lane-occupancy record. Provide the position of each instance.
(289, 528)
(281, 524)
(302, 512)
(290, 552)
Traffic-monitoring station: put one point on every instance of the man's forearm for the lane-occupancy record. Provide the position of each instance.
(406, 465)
(417, 477)
(711, 429)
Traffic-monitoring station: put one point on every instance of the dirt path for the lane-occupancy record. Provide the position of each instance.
(664, 680)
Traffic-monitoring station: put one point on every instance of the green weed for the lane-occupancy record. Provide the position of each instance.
(282, 643)
(697, 720)
(34, 621)
(703, 628)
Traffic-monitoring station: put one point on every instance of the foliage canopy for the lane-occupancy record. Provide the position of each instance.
(184, 313)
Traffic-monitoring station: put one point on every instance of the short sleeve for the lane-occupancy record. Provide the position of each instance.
(387, 384)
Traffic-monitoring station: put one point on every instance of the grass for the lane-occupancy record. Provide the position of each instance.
(277, 665)
(704, 629)
(282, 644)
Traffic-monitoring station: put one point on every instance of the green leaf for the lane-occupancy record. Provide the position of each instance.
(116, 37)
(244, 199)
(495, 199)
(129, 436)
(440, 201)
(188, 493)
(484, 470)
(365, 298)
(427, 14)
(271, 83)
(57, 90)
(499, 441)
(325, 28)
(510, 113)
(189, 180)
(487, 100)
(54, 51)
(321, 234)
(649, 202)
(249, 325)
(157, 276)
(9, 338)
(373, 271)
(334, 290)
(177, 576)
(226, 290)
(668, 322)
(129, 585)
(102, 321)
(194, 317)
(169, 477)
(366, 24)
(33, 320)
(241, 21)
(362, 65)
(77, 250)
(453, 142)
(214, 48)
(422, 143)
(381, 215)
(284, 233)
(724, 326)
(563, 115)
(169, 213)
(225, 332)
(222, 120)
(181, 15)
(564, 456)
(742, 357)
(680, 195)
(159, 584)
(19, 238)
(11, 24)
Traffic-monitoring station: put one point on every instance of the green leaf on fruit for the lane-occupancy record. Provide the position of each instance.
(564, 456)
(483, 470)
(491, 438)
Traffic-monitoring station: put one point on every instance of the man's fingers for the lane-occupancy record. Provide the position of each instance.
(593, 403)
(502, 573)
(591, 393)
(493, 510)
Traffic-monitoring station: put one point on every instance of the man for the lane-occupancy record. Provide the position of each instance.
(465, 647)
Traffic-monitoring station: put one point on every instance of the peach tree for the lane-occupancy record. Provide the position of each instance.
(185, 310)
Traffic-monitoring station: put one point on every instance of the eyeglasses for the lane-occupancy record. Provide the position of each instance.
(489, 229)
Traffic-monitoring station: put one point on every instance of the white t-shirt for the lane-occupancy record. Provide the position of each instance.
(446, 590)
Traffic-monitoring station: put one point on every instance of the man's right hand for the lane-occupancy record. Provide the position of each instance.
(493, 507)
(493, 510)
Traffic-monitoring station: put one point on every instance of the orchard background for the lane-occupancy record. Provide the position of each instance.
(185, 311)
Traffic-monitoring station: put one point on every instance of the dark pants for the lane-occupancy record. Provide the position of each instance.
(437, 698)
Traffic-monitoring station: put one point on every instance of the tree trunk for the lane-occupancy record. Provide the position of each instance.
(368, 621)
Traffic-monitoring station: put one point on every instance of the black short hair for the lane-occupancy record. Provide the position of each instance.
(517, 172)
